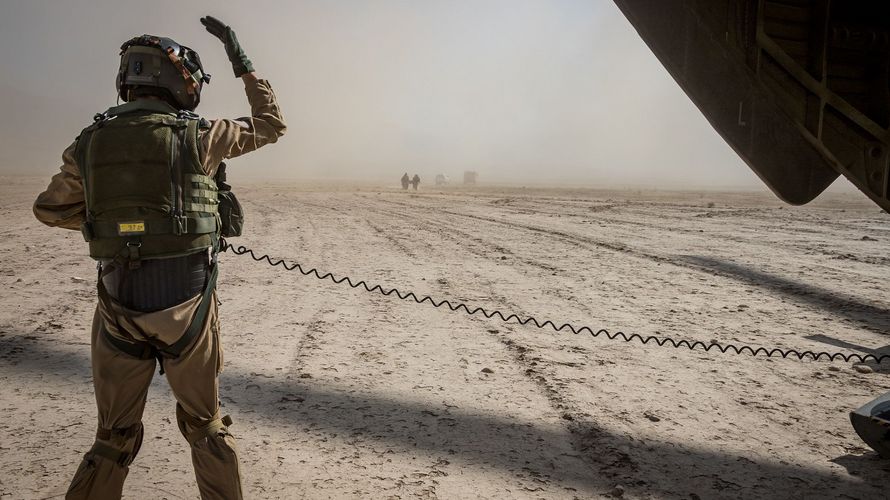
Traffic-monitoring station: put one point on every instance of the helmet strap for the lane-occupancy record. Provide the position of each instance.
(191, 86)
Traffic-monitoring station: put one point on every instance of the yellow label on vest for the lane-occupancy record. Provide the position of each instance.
(130, 228)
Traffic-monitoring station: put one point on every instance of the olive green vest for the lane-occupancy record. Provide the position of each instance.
(146, 193)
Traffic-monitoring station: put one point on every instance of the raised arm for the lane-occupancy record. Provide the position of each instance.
(231, 138)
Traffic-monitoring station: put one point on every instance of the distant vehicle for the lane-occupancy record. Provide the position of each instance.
(441, 180)
(470, 177)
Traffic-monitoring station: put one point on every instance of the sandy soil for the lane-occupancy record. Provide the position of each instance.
(337, 393)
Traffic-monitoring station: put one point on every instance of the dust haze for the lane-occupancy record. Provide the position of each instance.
(556, 92)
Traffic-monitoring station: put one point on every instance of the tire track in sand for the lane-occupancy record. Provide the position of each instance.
(581, 428)
(870, 317)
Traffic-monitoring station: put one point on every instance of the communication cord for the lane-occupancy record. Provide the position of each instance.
(619, 335)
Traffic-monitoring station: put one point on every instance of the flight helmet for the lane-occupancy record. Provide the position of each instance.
(159, 66)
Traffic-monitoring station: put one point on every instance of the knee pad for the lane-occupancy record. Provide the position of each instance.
(194, 429)
(118, 445)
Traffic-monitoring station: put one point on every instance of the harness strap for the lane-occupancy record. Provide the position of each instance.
(140, 350)
(179, 152)
(197, 323)
(126, 432)
(117, 456)
(147, 349)
(209, 430)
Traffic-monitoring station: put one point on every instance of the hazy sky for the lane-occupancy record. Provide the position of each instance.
(519, 90)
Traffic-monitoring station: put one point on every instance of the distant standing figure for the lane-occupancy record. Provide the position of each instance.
(415, 181)
(405, 181)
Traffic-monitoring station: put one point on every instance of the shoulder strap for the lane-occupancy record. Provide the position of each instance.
(180, 162)
(192, 143)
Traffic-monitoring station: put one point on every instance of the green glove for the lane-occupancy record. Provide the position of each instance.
(240, 63)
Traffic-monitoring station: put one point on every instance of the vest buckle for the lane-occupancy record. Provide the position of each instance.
(180, 225)
(133, 254)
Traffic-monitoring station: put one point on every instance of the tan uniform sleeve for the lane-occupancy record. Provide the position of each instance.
(231, 138)
(62, 203)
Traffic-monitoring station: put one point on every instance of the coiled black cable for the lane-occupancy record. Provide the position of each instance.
(660, 341)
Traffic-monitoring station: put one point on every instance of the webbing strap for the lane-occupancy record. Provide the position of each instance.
(110, 452)
(141, 350)
(210, 194)
(209, 430)
(177, 158)
(146, 349)
(117, 456)
(207, 205)
(192, 225)
(200, 181)
(126, 432)
(197, 323)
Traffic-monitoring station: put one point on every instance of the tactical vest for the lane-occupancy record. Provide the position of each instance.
(145, 190)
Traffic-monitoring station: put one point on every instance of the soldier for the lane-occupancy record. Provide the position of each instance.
(415, 181)
(405, 181)
(139, 184)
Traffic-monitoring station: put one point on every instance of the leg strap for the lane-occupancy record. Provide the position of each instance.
(116, 455)
(202, 428)
(197, 324)
(126, 433)
(141, 350)
(209, 430)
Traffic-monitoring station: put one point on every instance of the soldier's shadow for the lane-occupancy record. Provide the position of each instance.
(572, 456)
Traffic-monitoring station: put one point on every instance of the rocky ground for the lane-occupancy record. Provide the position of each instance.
(340, 393)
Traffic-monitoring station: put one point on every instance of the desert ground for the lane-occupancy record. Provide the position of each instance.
(340, 393)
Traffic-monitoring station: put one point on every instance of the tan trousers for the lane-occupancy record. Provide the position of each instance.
(121, 383)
